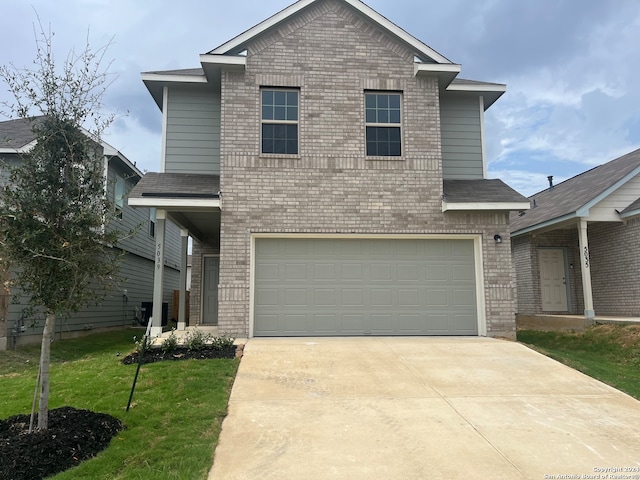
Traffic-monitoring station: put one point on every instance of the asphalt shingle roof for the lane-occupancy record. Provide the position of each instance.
(172, 185)
(569, 196)
(480, 191)
(16, 133)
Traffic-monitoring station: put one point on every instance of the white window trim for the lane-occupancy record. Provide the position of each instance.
(280, 122)
(387, 125)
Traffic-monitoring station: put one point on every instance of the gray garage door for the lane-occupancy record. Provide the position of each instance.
(315, 287)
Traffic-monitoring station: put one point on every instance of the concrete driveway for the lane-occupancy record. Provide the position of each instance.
(420, 408)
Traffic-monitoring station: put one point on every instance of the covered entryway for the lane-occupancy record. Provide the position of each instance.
(365, 286)
(553, 280)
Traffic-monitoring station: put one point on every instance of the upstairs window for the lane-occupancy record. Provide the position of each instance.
(119, 196)
(152, 222)
(383, 124)
(279, 121)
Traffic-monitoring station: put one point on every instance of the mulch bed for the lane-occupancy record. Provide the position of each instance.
(182, 353)
(73, 436)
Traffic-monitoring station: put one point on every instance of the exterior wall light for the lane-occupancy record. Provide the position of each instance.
(497, 238)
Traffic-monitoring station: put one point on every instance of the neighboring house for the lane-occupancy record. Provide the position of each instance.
(331, 169)
(136, 274)
(577, 250)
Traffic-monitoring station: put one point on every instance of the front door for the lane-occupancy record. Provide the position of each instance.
(210, 291)
(553, 280)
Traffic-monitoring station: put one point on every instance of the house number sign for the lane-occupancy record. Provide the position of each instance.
(586, 257)
(158, 256)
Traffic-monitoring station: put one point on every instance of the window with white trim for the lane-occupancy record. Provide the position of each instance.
(152, 222)
(279, 120)
(119, 193)
(383, 114)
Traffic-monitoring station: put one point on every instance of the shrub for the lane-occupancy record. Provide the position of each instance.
(197, 339)
(171, 342)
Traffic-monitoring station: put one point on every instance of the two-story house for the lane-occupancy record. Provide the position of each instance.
(135, 283)
(331, 169)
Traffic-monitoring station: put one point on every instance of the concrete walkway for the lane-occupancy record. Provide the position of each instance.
(420, 408)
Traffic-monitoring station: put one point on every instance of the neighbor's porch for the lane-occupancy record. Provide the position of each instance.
(579, 268)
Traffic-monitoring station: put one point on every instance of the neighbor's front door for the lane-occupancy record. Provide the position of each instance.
(553, 280)
(210, 290)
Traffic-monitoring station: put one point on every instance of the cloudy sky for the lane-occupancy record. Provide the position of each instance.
(571, 67)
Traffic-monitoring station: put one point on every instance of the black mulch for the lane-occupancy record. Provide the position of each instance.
(73, 436)
(181, 353)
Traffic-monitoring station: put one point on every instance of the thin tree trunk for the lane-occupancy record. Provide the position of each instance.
(45, 357)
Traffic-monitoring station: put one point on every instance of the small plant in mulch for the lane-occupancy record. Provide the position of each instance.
(196, 345)
(72, 437)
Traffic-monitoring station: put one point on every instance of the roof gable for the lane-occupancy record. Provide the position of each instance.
(238, 44)
(574, 197)
(17, 137)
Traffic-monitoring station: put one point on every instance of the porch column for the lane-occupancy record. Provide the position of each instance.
(585, 269)
(182, 304)
(158, 273)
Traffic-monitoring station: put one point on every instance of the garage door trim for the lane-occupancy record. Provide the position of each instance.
(477, 244)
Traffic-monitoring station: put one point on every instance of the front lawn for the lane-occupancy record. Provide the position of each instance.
(173, 425)
(609, 353)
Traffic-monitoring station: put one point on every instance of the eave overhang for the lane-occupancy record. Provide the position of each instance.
(478, 206)
(156, 81)
(446, 73)
(489, 91)
(175, 203)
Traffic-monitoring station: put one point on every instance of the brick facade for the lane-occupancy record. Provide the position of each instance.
(332, 55)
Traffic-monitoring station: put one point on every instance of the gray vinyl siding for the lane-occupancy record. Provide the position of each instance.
(136, 276)
(460, 120)
(136, 272)
(137, 220)
(193, 130)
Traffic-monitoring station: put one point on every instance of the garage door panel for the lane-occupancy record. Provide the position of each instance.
(462, 273)
(380, 272)
(408, 297)
(437, 298)
(351, 272)
(352, 297)
(407, 273)
(324, 297)
(353, 324)
(267, 297)
(364, 287)
(325, 324)
(296, 323)
(464, 298)
(324, 271)
(296, 296)
(436, 273)
(267, 271)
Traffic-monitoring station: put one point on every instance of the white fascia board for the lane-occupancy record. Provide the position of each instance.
(230, 61)
(477, 87)
(475, 206)
(164, 78)
(110, 151)
(450, 68)
(584, 210)
(174, 203)
(630, 213)
(356, 4)
(23, 149)
(543, 225)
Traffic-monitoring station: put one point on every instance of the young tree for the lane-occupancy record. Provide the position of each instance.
(54, 208)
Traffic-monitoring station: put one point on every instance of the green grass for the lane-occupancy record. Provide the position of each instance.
(609, 353)
(176, 414)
